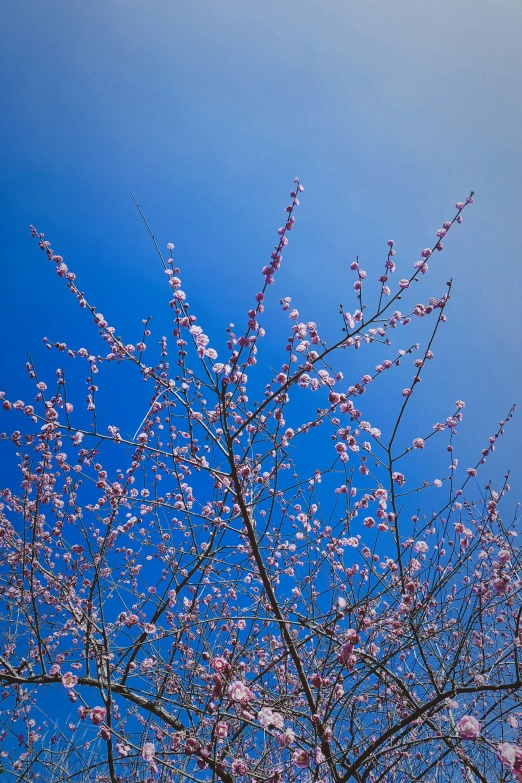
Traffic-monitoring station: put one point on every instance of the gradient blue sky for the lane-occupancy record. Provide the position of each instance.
(390, 111)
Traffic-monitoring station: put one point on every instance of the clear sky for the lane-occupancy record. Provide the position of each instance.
(390, 111)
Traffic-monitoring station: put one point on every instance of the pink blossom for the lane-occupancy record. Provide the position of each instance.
(191, 745)
(347, 656)
(286, 739)
(219, 664)
(130, 620)
(301, 759)
(88, 526)
(510, 755)
(221, 730)
(468, 727)
(69, 680)
(278, 720)
(238, 691)
(239, 767)
(267, 717)
(501, 584)
(264, 716)
(97, 715)
(147, 753)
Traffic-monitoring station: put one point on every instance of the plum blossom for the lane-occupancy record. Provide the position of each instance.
(286, 739)
(223, 447)
(69, 680)
(191, 745)
(239, 767)
(507, 754)
(468, 727)
(511, 757)
(264, 717)
(268, 717)
(501, 584)
(301, 759)
(97, 715)
(347, 656)
(219, 664)
(239, 692)
(147, 753)
(221, 729)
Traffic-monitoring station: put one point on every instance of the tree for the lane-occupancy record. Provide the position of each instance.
(217, 609)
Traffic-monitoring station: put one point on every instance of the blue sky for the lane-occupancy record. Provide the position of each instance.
(389, 112)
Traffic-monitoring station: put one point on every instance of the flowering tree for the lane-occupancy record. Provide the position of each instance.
(219, 607)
